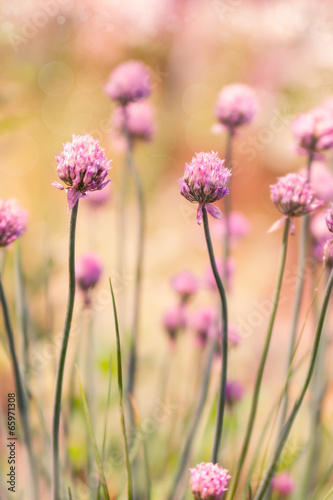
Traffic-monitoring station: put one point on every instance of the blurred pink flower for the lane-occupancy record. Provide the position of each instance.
(283, 484)
(137, 118)
(208, 481)
(129, 82)
(313, 131)
(236, 106)
(88, 270)
(99, 198)
(239, 226)
(13, 221)
(293, 197)
(321, 180)
(205, 181)
(234, 392)
(209, 279)
(204, 323)
(174, 320)
(185, 284)
(83, 167)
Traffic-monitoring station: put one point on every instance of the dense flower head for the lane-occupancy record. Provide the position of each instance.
(208, 481)
(234, 391)
(283, 484)
(321, 181)
(329, 218)
(83, 167)
(204, 323)
(129, 82)
(137, 119)
(313, 131)
(185, 284)
(238, 224)
(174, 320)
(294, 197)
(205, 181)
(13, 221)
(236, 105)
(88, 270)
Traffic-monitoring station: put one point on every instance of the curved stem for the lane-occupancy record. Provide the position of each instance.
(227, 202)
(285, 432)
(224, 343)
(62, 359)
(263, 359)
(21, 396)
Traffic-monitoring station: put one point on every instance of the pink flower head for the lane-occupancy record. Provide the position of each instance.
(205, 181)
(209, 279)
(293, 196)
(137, 119)
(174, 320)
(100, 197)
(185, 284)
(313, 131)
(283, 484)
(13, 221)
(321, 238)
(204, 323)
(208, 481)
(83, 167)
(129, 82)
(236, 105)
(234, 392)
(321, 181)
(329, 218)
(88, 271)
(239, 226)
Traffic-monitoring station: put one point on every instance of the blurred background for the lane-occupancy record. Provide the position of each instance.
(55, 58)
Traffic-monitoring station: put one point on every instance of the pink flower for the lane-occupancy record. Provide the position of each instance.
(83, 167)
(234, 392)
(174, 320)
(209, 279)
(137, 119)
(129, 82)
(88, 271)
(13, 221)
(205, 181)
(208, 481)
(236, 106)
(321, 181)
(293, 197)
(185, 284)
(313, 131)
(100, 197)
(283, 484)
(239, 226)
(204, 323)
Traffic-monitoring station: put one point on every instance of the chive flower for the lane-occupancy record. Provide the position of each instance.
(236, 106)
(128, 82)
(13, 221)
(208, 481)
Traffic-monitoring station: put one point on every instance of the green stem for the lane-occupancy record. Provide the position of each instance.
(227, 202)
(286, 430)
(62, 359)
(224, 343)
(21, 396)
(263, 359)
(22, 310)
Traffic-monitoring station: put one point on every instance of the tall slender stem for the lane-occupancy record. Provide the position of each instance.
(21, 395)
(62, 359)
(224, 343)
(263, 359)
(227, 202)
(298, 297)
(286, 429)
(22, 311)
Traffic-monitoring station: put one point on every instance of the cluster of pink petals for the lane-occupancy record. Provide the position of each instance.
(283, 484)
(234, 391)
(209, 279)
(208, 481)
(129, 82)
(321, 237)
(313, 131)
(239, 227)
(205, 181)
(135, 119)
(83, 167)
(294, 197)
(13, 221)
(321, 181)
(204, 323)
(174, 320)
(185, 284)
(88, 270)
(236, 105)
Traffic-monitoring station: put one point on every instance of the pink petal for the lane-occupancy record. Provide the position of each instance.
(214, 211)
(199, 213)
(72, 196)
(278, 224)
(57, 185)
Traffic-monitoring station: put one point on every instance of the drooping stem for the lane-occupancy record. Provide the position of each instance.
(62, 359)
(262, 363)
(298, 297)
(21, 395)
(286, 429)
(224, 343)
(227, 201)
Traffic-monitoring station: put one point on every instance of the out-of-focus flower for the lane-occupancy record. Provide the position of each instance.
(137, 119)
(313, 131)
(321, 181)
(88, 270)
(83, 167)
(205, 181)
(129, 82)
(208, 481)
(204, 323)
(174, 320)
(320, 236)
(209, 279)
(185, 284)
(293, 197)
(233, 335)
(283, 484)
(100, 197)
(234, 392)
(13, 221)
(239, 226)
(236, 106)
